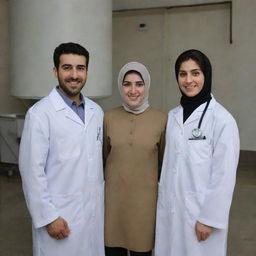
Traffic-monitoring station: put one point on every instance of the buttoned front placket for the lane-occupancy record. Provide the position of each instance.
(132, 125)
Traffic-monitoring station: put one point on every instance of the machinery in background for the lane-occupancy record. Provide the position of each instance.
(11, 127)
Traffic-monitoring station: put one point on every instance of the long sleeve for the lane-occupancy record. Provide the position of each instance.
(161, 148)
(215, 210)
(106, 142)
(34, 149)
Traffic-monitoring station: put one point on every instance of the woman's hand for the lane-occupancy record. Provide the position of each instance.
(202, 231)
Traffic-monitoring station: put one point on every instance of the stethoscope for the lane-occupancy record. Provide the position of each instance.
(197, 132)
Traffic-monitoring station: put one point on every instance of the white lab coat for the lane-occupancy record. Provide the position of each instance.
(61, 168)
(197, 182)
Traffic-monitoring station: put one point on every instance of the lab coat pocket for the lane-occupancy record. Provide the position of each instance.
(70, 207)
(99, 206)
(99, 209)
(193, 204)
(199, 150)
(163, 222)
(95, 163)
(95, 217)
(165, 199)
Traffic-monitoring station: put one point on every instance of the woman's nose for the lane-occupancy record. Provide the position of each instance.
(188, 78)
(133, 88)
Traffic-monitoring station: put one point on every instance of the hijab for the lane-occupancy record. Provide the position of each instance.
(189, 104)
(142, 70)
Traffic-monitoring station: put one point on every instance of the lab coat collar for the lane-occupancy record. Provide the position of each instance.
(88, 111)
(60, 105)
(178, 113)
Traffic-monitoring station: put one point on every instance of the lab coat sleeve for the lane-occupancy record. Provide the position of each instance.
(106, 142)
(34, 149)
(215, 210)
(161, 148)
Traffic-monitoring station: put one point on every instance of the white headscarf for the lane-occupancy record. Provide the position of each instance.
(146, 78)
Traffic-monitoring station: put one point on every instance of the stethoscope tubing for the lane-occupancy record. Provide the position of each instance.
(202, 116)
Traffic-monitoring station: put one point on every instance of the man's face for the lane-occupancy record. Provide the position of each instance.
(71, 74)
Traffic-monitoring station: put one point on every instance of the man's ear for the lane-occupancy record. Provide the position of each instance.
(55, 71)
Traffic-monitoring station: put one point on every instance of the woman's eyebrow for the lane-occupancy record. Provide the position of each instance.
(196, 69)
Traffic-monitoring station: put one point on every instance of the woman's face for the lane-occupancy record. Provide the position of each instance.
(133, 89)
(190, 78)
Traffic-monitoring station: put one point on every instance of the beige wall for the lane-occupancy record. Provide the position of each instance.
(207, 28)
(234, 65)
(8, 104)
(242, 70)
(140, 4)
(131, 45)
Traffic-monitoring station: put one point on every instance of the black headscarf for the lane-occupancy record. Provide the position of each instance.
(189, 104)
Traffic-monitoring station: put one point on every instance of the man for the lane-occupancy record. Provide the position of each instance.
(61, 163)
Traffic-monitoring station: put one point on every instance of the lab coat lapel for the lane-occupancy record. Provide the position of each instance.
(178, 114)
(195, 116)
(88, 111)
(60, 105)
(70, 114)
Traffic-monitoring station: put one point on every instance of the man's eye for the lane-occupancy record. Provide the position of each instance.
(66, 67)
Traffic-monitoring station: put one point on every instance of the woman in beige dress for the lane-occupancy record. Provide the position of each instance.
(133, 149)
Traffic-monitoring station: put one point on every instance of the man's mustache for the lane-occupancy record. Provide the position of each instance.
(73, 80)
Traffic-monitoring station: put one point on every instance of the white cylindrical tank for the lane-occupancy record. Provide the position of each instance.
(38, 26)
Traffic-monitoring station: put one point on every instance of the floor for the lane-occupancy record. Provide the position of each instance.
(15, 224)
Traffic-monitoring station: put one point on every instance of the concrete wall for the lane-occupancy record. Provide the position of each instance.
(234, 65)
(8, 104)
(142, 4)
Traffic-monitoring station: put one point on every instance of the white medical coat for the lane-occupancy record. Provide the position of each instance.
(61, 168)
(197, 182)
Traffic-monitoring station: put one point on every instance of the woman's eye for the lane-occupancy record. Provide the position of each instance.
(126, 84)
(139, 84)
(182, 74)
(196, 73)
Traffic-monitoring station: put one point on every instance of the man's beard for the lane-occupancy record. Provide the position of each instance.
(67, 90)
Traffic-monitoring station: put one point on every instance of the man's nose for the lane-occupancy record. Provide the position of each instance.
(74, 73)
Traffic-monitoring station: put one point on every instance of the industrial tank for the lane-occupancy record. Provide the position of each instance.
(38, 26)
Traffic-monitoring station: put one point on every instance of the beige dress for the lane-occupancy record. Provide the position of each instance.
(133, 150)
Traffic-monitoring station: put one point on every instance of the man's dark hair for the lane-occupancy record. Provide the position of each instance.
(69, 48)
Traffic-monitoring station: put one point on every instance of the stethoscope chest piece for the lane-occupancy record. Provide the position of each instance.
(196, 132)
